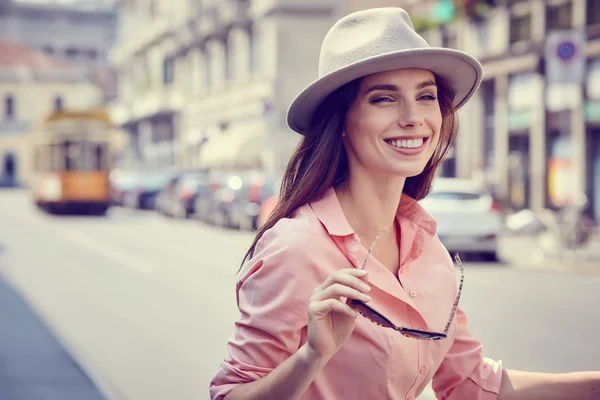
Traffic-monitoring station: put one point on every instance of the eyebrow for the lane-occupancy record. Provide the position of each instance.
(394, 88)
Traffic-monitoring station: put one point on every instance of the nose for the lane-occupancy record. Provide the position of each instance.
(410, 116)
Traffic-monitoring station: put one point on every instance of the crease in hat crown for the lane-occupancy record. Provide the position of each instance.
(365, 34)
(377, 40)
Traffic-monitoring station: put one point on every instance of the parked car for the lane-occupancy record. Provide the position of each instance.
(246, 210)
(146, 188)
(205, 194)
(164, 198)
(121, 182)
(180, 197)
(468, 218)
(230, 204)
(266, 208)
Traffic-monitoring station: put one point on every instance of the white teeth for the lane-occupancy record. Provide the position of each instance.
(407, 144)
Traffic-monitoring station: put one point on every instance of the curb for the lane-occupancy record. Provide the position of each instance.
(107, 388)
(583, 268)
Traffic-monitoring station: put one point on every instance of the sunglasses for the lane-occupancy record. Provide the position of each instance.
(378, 319)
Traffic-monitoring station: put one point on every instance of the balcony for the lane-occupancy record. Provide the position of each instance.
(208, 22)
(234, 12)
(13, 128)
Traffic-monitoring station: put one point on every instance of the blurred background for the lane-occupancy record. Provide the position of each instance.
(142, 142)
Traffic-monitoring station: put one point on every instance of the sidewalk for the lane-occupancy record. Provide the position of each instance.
(33, 365)
(525, 251)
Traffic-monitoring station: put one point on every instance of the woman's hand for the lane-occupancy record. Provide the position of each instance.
(330, 320)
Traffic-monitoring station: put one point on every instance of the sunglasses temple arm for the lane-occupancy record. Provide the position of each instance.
(455, 306)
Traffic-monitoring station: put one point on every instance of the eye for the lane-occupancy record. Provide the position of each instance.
(381, 99)
(427, 97)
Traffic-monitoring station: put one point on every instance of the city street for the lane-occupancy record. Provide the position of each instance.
(145, 303)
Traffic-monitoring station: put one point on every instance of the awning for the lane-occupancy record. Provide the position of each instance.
(241, 147)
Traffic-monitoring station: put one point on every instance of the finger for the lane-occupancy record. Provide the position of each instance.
(320, 308)
(338, 290)
(354, 278)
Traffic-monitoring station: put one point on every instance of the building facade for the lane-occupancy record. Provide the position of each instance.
(32, 85)
(80, 33)
(208, 85)
(533, 138)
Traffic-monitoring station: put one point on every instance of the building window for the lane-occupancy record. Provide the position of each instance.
(168, 70)
(71, 52)
(251, 51)
(593, 12)
(559, 17)
(207, 69)
(48, 50)
(152, 8)
(520, 28)
(9, 107)
(92, 54)
(228, 49)
(58, 103)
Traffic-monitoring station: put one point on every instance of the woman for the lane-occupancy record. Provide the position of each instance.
(376, 125)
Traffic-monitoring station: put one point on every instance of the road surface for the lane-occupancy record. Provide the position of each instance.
(145, 304)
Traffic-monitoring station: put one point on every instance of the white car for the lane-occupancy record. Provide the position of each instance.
(468, 218)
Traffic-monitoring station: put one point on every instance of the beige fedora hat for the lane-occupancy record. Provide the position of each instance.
(377, 40)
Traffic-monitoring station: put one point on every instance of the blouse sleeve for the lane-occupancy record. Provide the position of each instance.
(273, 293)
(464, 372)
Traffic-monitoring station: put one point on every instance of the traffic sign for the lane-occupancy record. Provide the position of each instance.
(565, 57)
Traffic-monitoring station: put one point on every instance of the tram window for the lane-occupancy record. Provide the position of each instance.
(56, 161)
(41, 159)
(100, 157)
(68, 150)
(36, 159)
(75, 156)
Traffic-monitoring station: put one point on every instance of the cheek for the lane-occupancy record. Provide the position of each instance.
(436, 124)
(362, 130)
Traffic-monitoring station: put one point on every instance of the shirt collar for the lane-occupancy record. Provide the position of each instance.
(329, 211)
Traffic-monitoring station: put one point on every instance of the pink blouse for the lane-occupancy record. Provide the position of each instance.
(297, 254)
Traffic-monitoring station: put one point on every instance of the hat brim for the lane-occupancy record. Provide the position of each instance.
(462, 71)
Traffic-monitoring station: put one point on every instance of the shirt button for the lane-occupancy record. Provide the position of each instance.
(423, 370)
(413, 293)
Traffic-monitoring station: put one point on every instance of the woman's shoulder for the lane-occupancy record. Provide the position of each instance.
(296, 241)
(293, 250)
(299, 232)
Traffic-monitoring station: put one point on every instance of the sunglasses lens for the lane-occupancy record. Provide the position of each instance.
(371, 314)
(423, 335)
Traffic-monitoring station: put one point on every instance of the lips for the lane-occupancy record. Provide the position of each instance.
(407, 146)
(407, 143)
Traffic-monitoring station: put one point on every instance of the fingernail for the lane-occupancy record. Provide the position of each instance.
(362, 272)
(365, 287)
(366, 297)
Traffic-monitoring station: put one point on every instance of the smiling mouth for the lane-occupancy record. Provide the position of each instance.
(407, 143)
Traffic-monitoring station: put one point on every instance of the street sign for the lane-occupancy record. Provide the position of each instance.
(443, 11)
(565, 57)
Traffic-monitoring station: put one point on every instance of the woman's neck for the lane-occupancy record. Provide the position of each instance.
(370, 205)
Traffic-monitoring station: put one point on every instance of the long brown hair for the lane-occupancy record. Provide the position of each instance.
(320, 161)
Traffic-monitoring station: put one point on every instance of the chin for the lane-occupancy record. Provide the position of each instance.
(407, 171)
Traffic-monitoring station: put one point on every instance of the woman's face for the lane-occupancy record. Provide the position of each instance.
(393, 126)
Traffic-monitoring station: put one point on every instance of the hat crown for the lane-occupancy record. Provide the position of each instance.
(365, 34)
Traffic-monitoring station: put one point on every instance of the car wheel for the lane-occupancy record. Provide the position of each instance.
(490, 257)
